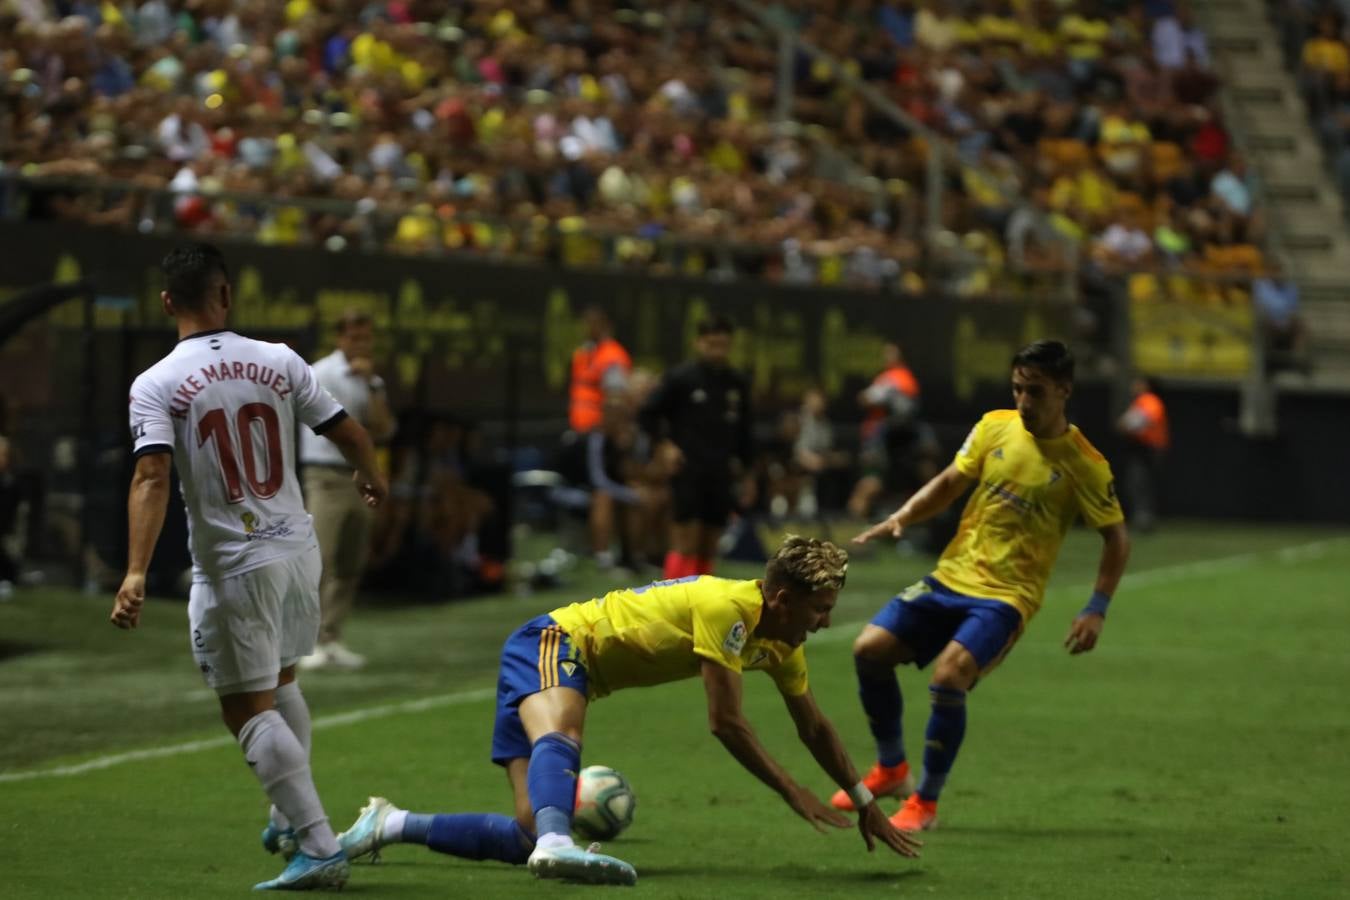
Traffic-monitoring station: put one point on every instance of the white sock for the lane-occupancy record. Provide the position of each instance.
(393, 826)
(280, 763)
(554, 841)
(291, 704)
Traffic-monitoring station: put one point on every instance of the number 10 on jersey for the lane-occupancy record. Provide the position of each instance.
(215, 426)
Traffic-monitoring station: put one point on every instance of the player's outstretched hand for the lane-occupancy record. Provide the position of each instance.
(809, 807)
(889, 525)
(1083, 633)
(126, 611)
(873, 824)
(373, 488)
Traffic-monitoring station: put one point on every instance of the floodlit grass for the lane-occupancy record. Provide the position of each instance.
(1198, 752)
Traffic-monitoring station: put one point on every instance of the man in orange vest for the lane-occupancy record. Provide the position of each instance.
(1147, 437)
(600, 366)
(892, 399)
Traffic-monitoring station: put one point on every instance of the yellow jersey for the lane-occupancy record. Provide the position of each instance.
(663, 631)
(1027, 494)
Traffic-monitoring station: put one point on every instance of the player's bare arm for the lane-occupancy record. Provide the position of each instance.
(819, 736)
(146, 503)
(1087, 626)
(358, 449)
(729, 725)
(940, 492)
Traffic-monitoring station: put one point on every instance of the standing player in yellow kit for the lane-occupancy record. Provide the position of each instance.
(1033, 474)
(698, 626)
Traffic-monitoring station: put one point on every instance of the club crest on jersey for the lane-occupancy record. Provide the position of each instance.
(735, 641)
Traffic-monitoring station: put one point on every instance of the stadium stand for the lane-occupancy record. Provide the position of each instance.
(1067, 130)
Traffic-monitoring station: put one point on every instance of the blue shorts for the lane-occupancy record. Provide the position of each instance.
(538, 655)
(928, 614)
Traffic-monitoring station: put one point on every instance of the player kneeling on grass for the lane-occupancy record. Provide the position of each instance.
(1033, 474)
(700, 625)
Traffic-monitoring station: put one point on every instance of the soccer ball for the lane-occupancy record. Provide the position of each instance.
(605, 804)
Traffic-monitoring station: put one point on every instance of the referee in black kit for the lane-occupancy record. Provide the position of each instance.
(701, 415)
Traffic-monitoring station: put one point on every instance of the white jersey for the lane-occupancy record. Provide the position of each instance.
(226, 406)
(334, 374)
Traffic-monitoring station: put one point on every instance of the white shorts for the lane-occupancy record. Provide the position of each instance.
(248, 627)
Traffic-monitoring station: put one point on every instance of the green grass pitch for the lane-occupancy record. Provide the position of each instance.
(1200, 751)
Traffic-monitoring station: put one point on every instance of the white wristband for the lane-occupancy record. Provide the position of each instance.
(860, 795)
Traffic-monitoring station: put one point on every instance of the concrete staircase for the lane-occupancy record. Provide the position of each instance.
(1305, 212)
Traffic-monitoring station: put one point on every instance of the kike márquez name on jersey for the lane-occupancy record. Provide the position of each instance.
(226, 407)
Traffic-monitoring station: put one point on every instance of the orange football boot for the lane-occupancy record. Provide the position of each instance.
(917, 814)
(882, 781)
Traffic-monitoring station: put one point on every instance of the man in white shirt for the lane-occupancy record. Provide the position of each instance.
(341, 521)
(225, 409)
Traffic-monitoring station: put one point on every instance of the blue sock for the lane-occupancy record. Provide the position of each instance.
(416, 827)
(552, 780)
(880, 692)
(946, 728)
(471, 836)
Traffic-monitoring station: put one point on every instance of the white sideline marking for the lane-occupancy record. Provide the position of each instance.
(335, 721)
(1160, 575)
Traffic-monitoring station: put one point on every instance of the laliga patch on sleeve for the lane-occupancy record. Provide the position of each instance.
(735, 641)
(965, 445)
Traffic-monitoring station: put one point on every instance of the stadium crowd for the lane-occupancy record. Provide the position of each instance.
(590, 131)
(1315, 35)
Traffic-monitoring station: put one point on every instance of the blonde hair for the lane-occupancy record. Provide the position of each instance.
(807, 564)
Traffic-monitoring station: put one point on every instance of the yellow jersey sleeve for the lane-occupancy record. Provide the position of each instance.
(1095, 488)
(790, 674)
(720, 633)
(970, 458)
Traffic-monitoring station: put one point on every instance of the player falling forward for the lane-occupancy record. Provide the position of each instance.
(555, 664)
(224, 408)
(1033, 474)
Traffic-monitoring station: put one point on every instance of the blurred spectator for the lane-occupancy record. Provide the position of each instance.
(342, 521)
(434, 541)
(891, 406)
(1147, 439)
(1177, 40)
(610, 463)
(1276, 299)
(1231, 187)
(1125, 245)
(1326, 55)
(816, 462)
(600, 368)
